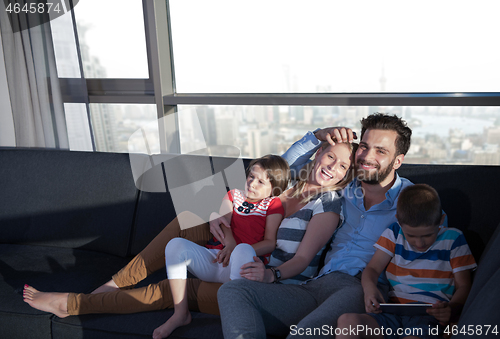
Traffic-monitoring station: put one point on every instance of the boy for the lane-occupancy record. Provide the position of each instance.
(424, 262)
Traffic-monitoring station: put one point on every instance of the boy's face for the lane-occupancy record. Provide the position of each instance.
(421, 237)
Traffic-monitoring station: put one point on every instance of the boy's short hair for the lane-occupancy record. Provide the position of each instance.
(277, 170)
(391, 123)
(419, 205)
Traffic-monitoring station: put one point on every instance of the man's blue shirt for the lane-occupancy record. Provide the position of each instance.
(352, 245)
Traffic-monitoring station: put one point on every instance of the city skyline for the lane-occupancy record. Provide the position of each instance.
(471, 135)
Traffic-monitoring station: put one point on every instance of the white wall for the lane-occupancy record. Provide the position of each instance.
(7, 132)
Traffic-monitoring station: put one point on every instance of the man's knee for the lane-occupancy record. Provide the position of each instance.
(231, 288)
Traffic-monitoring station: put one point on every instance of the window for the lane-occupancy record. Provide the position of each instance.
(77, 123)
(335, 46)
(445, 135)
(114, 124)
(247, 79)
(112, 38)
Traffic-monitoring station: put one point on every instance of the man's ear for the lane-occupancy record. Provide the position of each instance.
(398, 161)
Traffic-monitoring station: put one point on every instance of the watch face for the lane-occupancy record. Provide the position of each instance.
(278, 274)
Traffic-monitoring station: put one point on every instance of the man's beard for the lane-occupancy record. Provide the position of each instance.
(377, 177)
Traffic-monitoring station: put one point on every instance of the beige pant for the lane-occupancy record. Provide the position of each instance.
(202, 296)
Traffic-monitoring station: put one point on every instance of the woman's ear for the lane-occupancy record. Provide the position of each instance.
(318, 152)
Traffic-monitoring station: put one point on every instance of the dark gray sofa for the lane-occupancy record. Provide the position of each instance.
(69, 220)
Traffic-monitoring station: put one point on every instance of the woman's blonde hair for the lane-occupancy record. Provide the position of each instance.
(277, 170)
(305, 173)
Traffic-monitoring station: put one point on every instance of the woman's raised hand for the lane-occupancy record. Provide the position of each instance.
(215, 221)
(336, 134)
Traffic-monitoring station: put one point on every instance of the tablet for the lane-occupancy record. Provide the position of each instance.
(406, 309)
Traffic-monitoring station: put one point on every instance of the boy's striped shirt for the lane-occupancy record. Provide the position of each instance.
(424, 276)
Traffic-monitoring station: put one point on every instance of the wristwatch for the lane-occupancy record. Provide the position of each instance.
(277, 275)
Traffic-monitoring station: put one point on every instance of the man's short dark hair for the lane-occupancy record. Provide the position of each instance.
(391, 123)
(419, 205)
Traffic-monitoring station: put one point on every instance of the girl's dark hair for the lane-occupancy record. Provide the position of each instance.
(419, 205)
(277, 170)
(391, 123)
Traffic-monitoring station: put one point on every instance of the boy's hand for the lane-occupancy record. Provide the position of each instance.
(224, 255)
(373, 298)
(441, 311)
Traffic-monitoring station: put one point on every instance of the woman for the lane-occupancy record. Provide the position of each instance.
(312, 210)
(312, 213)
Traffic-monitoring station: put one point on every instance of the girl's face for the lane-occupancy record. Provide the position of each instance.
(332, 164)
(258, 186)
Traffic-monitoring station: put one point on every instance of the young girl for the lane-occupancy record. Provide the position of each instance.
(249, 220)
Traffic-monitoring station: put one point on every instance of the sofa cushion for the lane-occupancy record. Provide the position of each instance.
(154, 206)
(67, 199)
(482, 310)
(170, 184)
(489, 267)
(138, 325)
(47, 269)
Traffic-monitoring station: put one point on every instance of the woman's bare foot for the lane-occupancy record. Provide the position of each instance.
(176, 320)
(56, 303)
(110, 286)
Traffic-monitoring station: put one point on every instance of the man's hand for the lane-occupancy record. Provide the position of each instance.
(441, 311)
(215, 221)
(336, 134)
(256, 271)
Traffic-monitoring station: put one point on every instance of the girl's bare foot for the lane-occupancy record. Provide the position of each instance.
(176, 320)
(110, 286)
(56, 303)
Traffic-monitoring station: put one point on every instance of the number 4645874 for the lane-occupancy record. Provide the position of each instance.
(33, 8)
(475, 330)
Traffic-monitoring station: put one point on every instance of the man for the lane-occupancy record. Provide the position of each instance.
(250, 309)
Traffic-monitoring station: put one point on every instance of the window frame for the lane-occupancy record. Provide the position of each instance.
(159, 88)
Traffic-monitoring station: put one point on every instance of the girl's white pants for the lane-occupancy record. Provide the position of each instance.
(182, 255)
